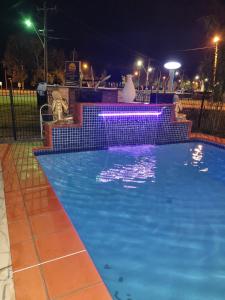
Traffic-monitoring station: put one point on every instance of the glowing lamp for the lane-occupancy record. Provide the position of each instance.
(130, 114)
(85, 66)
(216, 39)
(172, 65)
(28, 23)
(139, 63)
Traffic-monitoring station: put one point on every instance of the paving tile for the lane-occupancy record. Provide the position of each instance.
(23, 255)
(96, 292)
(19, 231)
(57, 244)
(49, 222)
(15, 212)
(68, 274)
(38, 192)
(42, 205)
(13, 197)
(29, 285)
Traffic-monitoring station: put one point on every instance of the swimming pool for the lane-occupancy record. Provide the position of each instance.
(151, 217)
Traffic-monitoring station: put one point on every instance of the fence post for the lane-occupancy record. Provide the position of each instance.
(201, 110)
(12, 110)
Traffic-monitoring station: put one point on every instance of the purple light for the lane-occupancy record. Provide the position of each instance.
(126, 114)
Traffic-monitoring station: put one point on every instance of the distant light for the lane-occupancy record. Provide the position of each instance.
(172, 65)
(136, 73)
(85, 66)
(177, 73)
(28, 23)
(193, 82)
(150, 69)
(139, 63)
(206, 79)
(164, 77)
(126, 114)
(197, 77)
(0, 83)
(179, 80)
(216, 39)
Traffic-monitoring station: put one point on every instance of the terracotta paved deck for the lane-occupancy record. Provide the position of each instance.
(49, 259)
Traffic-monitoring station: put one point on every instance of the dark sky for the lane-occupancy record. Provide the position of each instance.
(114, 33)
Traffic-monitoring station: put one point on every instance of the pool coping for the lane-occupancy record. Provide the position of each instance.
(49, 260)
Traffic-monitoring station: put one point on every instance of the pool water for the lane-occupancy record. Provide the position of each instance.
(151, 217)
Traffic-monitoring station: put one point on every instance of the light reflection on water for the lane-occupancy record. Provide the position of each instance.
(143, 168)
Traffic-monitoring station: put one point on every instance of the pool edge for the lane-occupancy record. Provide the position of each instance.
(34, 276)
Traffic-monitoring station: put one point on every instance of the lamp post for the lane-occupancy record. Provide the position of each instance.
(31, 25)
(171, 66)
(216, 40)
(147, 70)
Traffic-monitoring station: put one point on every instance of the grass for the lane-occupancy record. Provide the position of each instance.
(26, 116)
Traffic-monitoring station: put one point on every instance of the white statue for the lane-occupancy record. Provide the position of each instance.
(59, 106)
(128, 93)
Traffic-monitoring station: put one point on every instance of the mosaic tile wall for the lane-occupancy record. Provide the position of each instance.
(98, 132)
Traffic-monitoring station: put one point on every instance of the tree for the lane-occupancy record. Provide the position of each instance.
(23, 59)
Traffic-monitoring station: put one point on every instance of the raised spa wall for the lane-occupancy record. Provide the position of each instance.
(144, 124)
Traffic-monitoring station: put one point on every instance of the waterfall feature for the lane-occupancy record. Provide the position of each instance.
(131, 127)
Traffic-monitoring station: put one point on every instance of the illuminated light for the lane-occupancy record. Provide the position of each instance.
(85, 66)
(172, 65)
(127, 114)
(164, 78)
(150, 70)
(206, 79)
(216, 39)
(197, 77)
(177, 73)
(136, 73)
(179, 80)
(28, 23)
(139, 63)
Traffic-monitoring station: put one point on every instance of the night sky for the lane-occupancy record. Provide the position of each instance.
(113, 34)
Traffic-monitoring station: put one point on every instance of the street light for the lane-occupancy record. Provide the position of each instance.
(171, 66)
(148, 70)
(29, 24)
(140, 63)
(85, 66)
(197, 77)
(216, 40)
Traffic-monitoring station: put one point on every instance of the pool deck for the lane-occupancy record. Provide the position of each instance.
(49, 260)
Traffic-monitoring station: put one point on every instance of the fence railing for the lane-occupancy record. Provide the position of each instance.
(19, 115)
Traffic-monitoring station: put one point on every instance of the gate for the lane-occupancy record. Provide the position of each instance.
(19, 115)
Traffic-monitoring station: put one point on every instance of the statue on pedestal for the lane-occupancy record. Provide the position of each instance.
(60, 108)
(128, 93)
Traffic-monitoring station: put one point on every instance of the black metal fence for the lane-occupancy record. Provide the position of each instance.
(19, 115)
(207, 116)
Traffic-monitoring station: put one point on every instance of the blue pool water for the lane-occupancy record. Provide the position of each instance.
(151, 217)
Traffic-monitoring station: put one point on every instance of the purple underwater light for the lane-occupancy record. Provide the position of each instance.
(126, 114)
